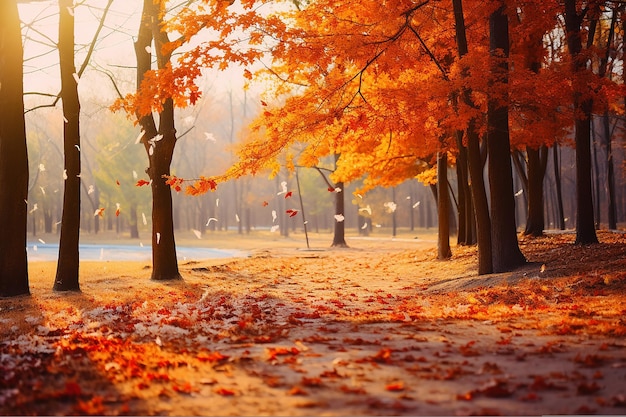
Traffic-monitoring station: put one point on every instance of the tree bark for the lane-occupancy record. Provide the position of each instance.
(339, 235)
(479, 195)
(443, 207)
(506, 253)
(160, 152)
(68, 264)
(13, 157)
(585, 227)
(537, 162)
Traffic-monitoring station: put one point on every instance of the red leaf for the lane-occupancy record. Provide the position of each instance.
(142, 182)
(288, 194)
(396, 386)
(117, 213)
(225, 392)
(117, 182)
(265, 204)
(331, 190)
(211, 357)
(292, 213)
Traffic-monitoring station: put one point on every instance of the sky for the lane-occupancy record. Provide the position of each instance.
(114, 50)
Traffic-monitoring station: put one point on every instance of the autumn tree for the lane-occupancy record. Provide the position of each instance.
(506, 254)
(158, 141)
(13, 157)
(67, 267)
(583, 104)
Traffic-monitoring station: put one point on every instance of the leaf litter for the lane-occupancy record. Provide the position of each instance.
(365, 331)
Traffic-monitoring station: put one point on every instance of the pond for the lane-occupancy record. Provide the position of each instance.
(108, 252)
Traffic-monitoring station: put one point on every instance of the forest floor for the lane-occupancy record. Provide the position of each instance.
(380, 328)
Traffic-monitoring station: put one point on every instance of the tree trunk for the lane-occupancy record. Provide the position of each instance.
(164, 262)
(537, 161)
(443, 207)
(466, 209)
(559, 192)
(585, 228)
(506, 253)
(339, 236)
(474, 160)
(13, 157)
(134, 229)
(68, 263)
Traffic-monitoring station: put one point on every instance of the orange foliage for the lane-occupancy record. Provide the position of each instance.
(376, 84)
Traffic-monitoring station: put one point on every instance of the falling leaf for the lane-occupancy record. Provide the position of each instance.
(237, 218)
(117, 182)
(416, 204)
(209, 136)
(99, 212)
(217, 202)
(158, 238)
(42, 241)
(65, 120)
(331, 189)
(274, 216)
(197, 233)
(364, 226)
(292, 212)
(390, 206)
(117, 209)
(288, 194)
(265, 204)
(34, 208)
(520, 192)
(91, 189)
(211, 219)
(338, 190)
(143, 218)
(135, 176)
(42, 167)
(142, 182)
(283, 185)
(339, 218)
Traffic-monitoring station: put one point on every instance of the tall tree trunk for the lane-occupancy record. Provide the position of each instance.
(164, 262)
(479, 195)
(506, 252)
(13, 157)
(443, 207)
(585, 228)
(68, 264)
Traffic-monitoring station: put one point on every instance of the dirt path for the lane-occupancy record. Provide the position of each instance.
(379, 329)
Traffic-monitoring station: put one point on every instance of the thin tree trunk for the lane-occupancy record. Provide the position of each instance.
(13, 157)
(537, 161)
(557, 182)
(443, 207)
(68, 264)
